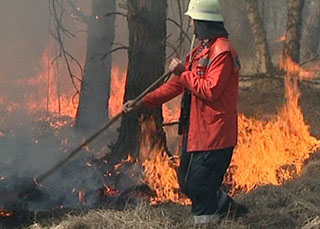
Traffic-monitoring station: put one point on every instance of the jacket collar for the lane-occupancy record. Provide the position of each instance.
(205, 51)
(206, 48)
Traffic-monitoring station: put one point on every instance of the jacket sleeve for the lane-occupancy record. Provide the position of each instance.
(164, 93)
(215, 80)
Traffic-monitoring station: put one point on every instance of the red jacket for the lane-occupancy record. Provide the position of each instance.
(213, 113)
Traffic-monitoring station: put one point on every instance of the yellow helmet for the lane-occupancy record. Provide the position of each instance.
(205, 10)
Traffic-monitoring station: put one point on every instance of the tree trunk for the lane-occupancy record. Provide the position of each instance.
(147, 35)
(95, 86)
(260, 37)
(311, 31)
(291, 50)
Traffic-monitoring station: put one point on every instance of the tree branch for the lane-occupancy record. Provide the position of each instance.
(181, 28)
(115, 13)
(58, 36)
(114, 50)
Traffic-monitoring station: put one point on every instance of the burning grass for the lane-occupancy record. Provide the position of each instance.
(269, 151)
(274, 150)
(292, 205)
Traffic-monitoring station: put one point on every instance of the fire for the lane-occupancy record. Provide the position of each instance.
(281, 39)
(130, 159)
(159, 168)
(109, 191)
(5, 213)
(116, 91)
(288, 65)
(46, 91)
(160, 175)
(81, 195)
(273, 151)
(171, 110)
(268, 152)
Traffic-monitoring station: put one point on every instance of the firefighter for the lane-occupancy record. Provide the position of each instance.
(208, 119)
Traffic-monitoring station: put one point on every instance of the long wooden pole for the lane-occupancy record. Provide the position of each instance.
(47, 174)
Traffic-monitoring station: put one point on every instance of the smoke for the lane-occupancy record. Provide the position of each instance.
(34, 136)
(24, 33)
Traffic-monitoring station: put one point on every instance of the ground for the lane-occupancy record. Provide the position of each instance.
(293, 205)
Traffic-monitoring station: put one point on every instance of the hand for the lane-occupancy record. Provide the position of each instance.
(129, 106)
(176, 66)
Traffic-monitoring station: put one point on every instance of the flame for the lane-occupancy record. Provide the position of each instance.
(46, 90)
(81, 195)
(273, 151)
(171, 110)
(281, 39)
(130, 159)
(159, 168)
(160, 175)
(116, 91)
(50, 91)
(58, 101)
(293, 68)
(5, 213)
(269, 151)
(109, 191)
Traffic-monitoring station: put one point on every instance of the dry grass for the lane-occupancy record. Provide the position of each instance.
(143, 216)
(295, 204)
(292, 205)
(140, 217)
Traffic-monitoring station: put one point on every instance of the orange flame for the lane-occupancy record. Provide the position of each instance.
(268, 151)
(45, 93)
(122, 162)
(159, 168)
(116, 91)
(273, 151)
(288, 65)
(5, 213)
(81, 195)
(108, 191)
(281, 39)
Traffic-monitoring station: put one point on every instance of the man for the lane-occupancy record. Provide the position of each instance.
(208, 122)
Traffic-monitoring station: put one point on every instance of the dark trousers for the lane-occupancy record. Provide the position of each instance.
(200, 177)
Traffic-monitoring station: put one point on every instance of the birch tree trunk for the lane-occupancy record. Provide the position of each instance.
(311, 31)
(260, 37)
(95, 86)
(291, 50)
